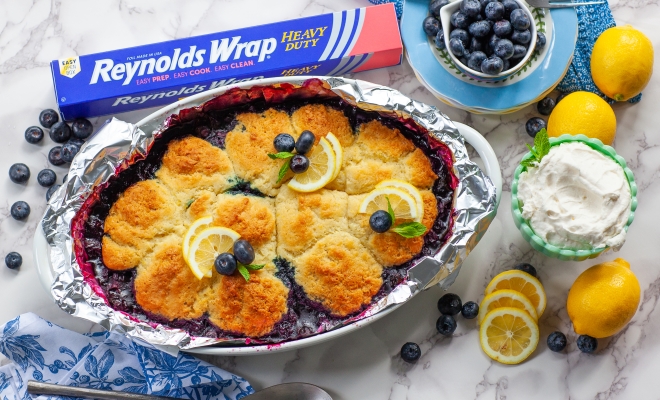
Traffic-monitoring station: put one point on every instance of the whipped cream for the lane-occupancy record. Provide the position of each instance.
(576, 198)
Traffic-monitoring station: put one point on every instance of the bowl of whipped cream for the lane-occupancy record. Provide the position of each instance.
(577, 201)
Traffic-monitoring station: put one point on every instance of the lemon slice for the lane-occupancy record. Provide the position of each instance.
(339, 153)
(408, 188)
(508, 335)
(506, 298)
(520, 282)
(206, 246)
(322, 164)
(403, 204)
(196, 227)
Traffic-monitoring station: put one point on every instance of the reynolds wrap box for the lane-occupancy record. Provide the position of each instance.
(161, 73)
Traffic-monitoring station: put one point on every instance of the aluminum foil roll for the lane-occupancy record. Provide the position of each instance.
(117, 144)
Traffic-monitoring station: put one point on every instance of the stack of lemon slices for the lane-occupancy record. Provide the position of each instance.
(203, 243)
(508, 316)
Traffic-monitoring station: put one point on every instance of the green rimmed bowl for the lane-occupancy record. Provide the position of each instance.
(527, 231)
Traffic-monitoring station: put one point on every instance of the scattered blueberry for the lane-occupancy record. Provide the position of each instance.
(48, 117)
(34, 134)
(60, 132)
(504, 49)
(494, 11)
(450, 304)
(431, 25)
(525, 267)
(460, 20)
(284, 142)
(502, 28)
(476, 45)
(225, 264)
(440, 40)
(457, 47)
(410, 352)
(436, 5)
(470, 310)
(556, 341)
(13, 260)
(534, 125)
(69, 151)
(46, 177)
(520, 20)
(299, 164)
(521, 37)
(20, 210)
(587, 344)
(475, 59)
(243, 251)
(519, 51)
(560, 97)
(55, 156)
(479, 29)
(540, 41)
(492, 65)
(380, 221)
(82, 128)
(471, 8)
(305, 142)
(545, 106)
(51, 190)
(446, 325)
(19, 173)
(462, 35)
(77, 142)
(509, 6)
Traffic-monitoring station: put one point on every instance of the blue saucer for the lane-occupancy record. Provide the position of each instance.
(496, 99)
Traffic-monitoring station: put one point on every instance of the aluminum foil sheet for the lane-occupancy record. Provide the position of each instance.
(118, 143)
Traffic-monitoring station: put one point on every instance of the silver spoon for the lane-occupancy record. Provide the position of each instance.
(284, 391)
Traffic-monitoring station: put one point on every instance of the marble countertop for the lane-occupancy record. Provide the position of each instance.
(364, 364)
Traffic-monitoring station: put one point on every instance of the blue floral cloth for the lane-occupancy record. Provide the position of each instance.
(46, 352)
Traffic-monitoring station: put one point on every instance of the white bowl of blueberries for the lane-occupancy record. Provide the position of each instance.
(488, 40)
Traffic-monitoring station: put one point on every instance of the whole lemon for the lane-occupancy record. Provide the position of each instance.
(622, 62)
(603, 299)
(585, 113)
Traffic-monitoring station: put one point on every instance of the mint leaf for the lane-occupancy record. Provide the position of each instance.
(189, 203)
(254, 267)
(244, 272)
(542, 144)
(281, 154)
(389, 208)
(410, 229)
(283, 170)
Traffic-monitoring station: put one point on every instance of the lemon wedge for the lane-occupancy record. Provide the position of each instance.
(339, 153)
(520, 282)
(508, 335)
(506, 298)
(408, 188)
(206, 246)
(322, 164)
(403, 204)
(196, 227)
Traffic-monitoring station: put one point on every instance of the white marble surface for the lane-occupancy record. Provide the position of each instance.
(364, 364)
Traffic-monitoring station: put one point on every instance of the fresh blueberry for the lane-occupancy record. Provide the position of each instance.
(446, 325)
(410, 352)
(450, 304)
(560, 97)
(556, 341)
(494, 11)
(479, 29)
(521, 37)
(34, 134)
(380, 221)
(587, 344)
(504, 49)
(299, 164)
(519, 51)
(20, 210)
(13, 260)
(492, 42)
(436, 5)
(502, 28)
(484, 3)
(457, 48)
(540, 41)
(55, 156)
(69, 151)
(82, 128)
(48, 117)
(520, 20)
(19, 173)
(506, 65)
(534, 125)
(476, 45)
(225, 264)
(77, 142)
(471, 8)
(475, 60)
(284, 142)
(460, 20)
(462, 35)
(492, 65)
(509, 6)
(60, 132)
(51, 190)
(525, 267)
(431, 25)
(305, 142)
(46, 177)
(243, 251)
(440, 40)
(463, 60)
(545, 106)
(470, 310)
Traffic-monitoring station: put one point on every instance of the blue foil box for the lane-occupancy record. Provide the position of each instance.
(158, 74)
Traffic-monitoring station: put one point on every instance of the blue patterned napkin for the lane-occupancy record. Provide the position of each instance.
(46, 352)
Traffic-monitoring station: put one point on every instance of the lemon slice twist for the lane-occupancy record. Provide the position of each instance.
(206, 246)
(322, 164)
(403, 204)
